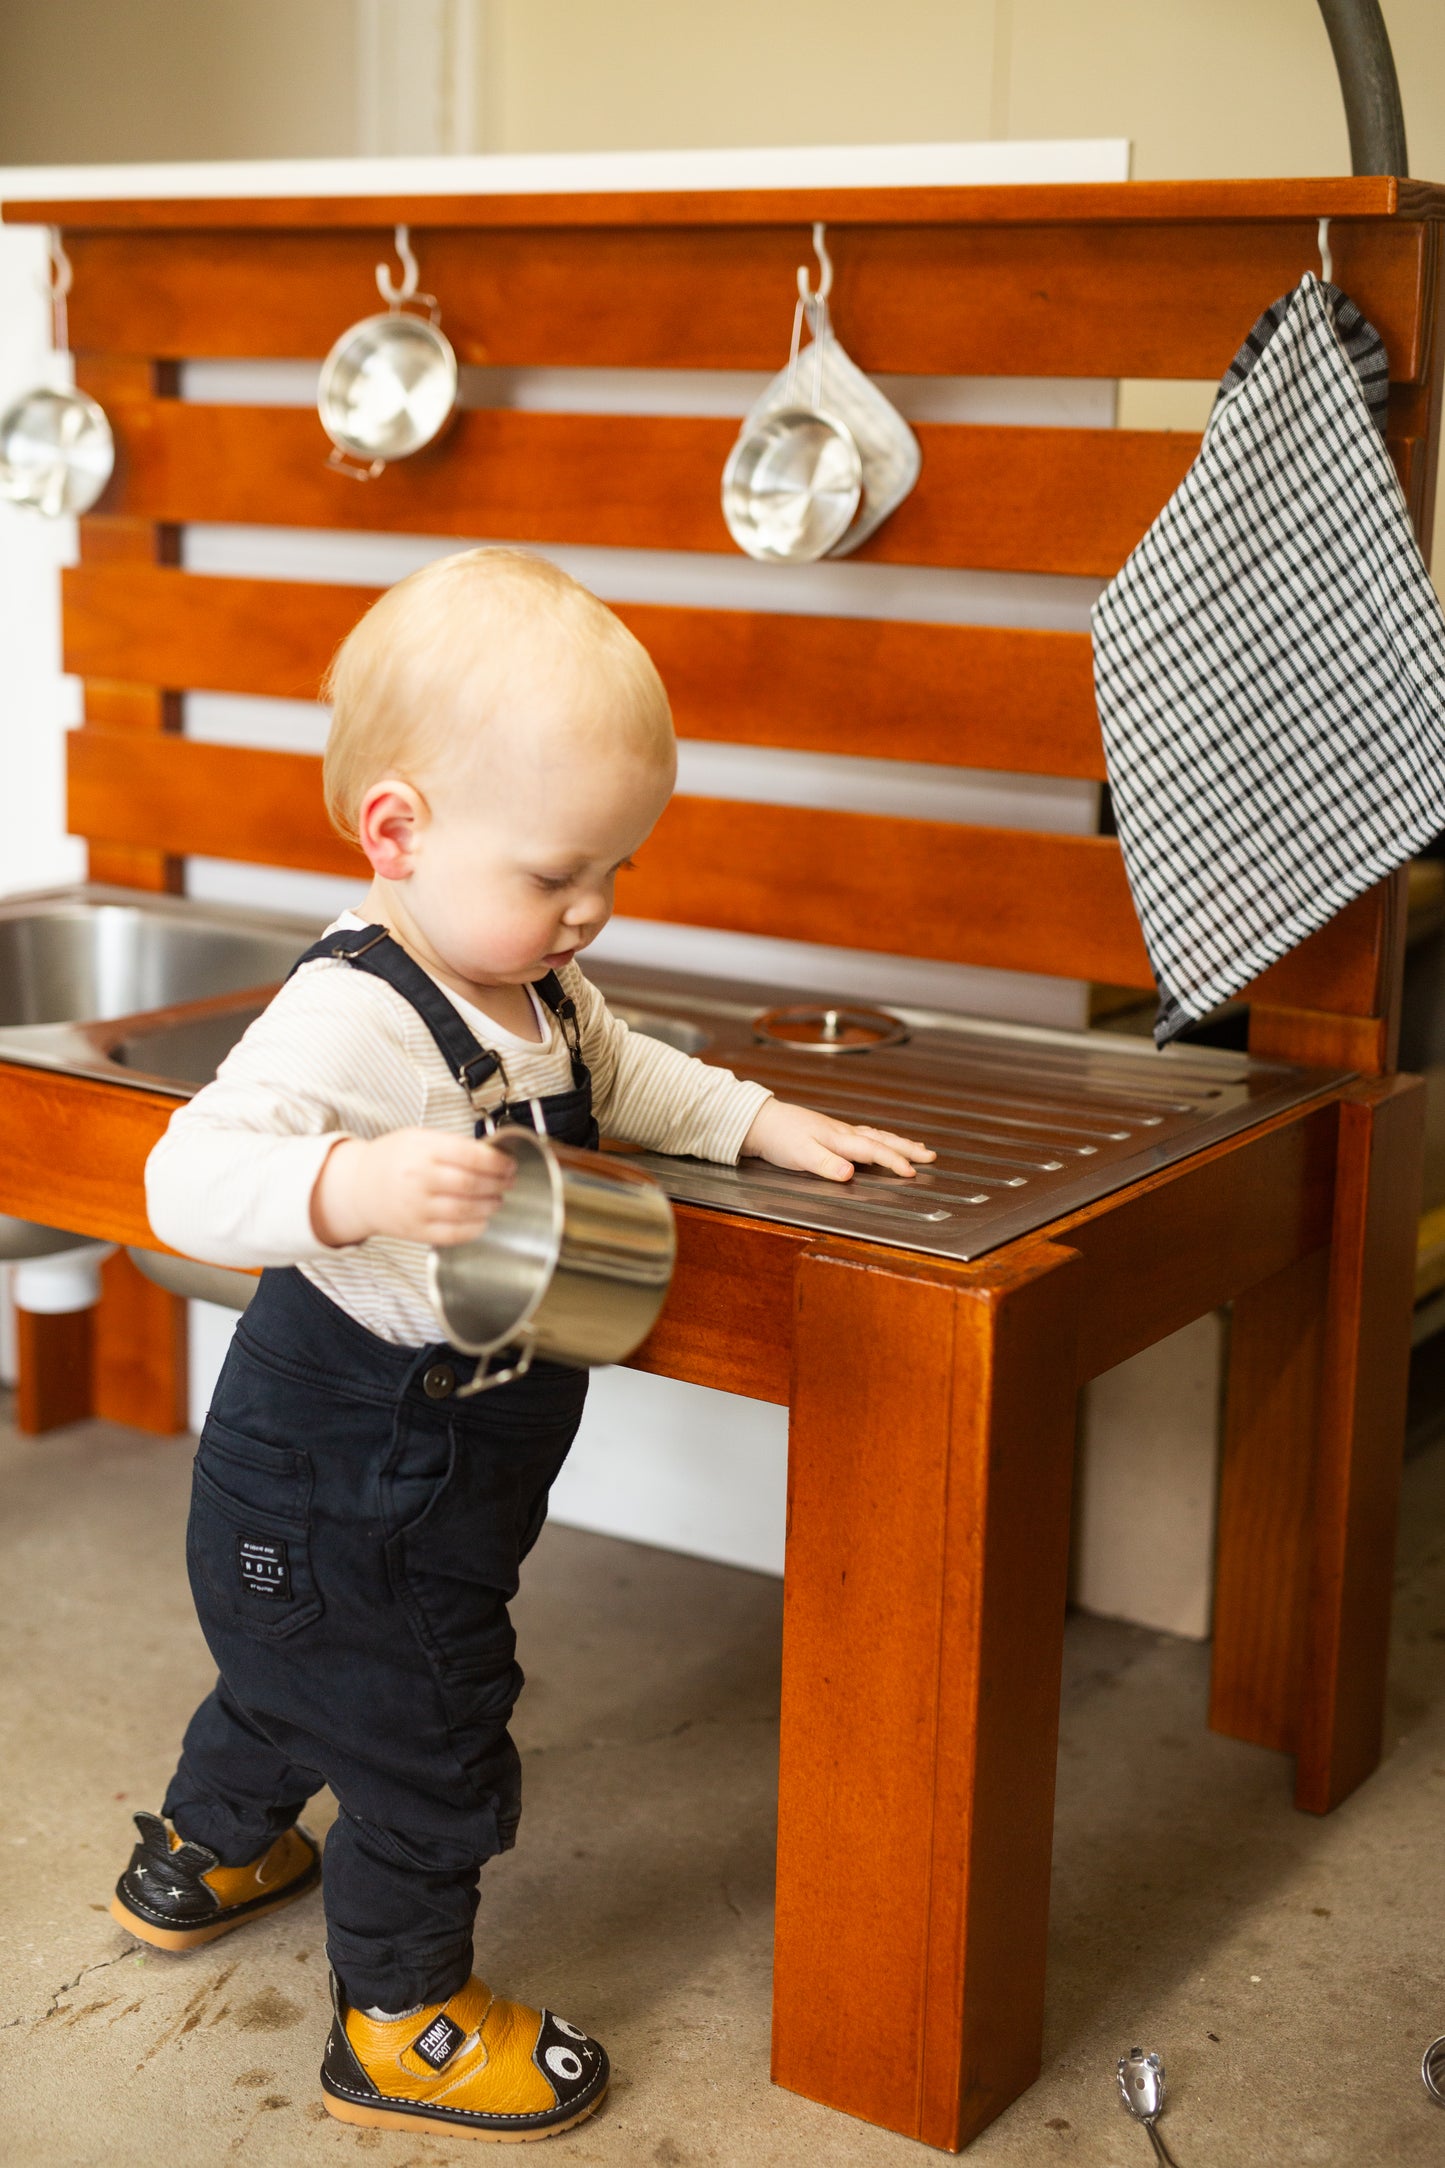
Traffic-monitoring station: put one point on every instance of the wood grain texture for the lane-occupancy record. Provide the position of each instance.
(1113, 202)
(1361, 1436)
(979, 696)
(53, 1370)
(1039, 299)
(79, 1149)
(217, 801)
(993, 896)
(121, 699)
(1261, 1585)
(140, 1360)
(928, 1505)
(1318, 1039)
(1189, 1238)
(1285, 1021)
(1071, 501)
(1011, 898)
(1429, 425)
(1348, 968)
(73, 1152)
(728, 1320)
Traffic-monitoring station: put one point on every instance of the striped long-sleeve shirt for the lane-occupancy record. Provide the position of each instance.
(339, 1053)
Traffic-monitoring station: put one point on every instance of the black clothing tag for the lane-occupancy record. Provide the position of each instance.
(439, 2043)
(264, 1567)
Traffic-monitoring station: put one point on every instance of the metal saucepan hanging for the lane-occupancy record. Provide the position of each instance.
(854, 408)
(389, 385)
(794, 478)
(56, 448)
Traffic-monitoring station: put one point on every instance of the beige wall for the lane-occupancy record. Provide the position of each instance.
(634, 75)
(90, 81)
(1201, 86)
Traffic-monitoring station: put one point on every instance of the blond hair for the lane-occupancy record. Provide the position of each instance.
(450, 650)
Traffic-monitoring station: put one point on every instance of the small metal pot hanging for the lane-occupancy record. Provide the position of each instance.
(56, 448)
(813, 477)
(389, 385)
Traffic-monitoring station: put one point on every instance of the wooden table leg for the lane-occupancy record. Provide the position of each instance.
(1319, 1364)
(930, 1459)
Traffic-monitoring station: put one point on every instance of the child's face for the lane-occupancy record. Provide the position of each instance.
(508, 870)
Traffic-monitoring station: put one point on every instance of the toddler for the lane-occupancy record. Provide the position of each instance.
(500, 745)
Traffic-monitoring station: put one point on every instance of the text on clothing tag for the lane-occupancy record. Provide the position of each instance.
(265, 1568)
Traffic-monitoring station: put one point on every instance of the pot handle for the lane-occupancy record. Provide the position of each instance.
(483, 1379)
(354, 470)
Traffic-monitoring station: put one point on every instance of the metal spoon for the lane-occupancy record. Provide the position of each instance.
(1141, 2088)
(1432, 2070)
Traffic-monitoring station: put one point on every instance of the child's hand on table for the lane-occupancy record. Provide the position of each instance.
(413, 1183)
(820, 1144)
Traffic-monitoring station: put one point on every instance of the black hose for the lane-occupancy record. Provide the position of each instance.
(1368, 85)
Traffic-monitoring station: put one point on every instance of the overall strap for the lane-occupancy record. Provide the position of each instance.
(550, 989)
(371, 948)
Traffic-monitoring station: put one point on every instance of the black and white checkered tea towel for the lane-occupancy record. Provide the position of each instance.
(1270, 666)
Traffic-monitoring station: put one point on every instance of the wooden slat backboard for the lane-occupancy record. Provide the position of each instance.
(1097, 281)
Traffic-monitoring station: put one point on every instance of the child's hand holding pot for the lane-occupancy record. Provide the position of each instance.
(416, 1184)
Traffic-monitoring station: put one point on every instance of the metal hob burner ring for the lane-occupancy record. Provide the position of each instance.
(829, 1030)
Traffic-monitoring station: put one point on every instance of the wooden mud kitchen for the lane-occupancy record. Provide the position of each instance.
(930, 1364)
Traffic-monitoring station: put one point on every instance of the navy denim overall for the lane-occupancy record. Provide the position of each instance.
(355, 1536)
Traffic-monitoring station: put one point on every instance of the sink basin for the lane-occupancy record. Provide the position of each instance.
(81, 955)
(187, 1051)
(140, 989)
(92, 978)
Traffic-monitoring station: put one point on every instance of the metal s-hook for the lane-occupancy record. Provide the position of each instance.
(1327, 261)
(825, 268)
(59, 278)
(410, 272)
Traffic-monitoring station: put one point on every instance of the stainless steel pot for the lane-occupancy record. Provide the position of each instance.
(56, 452)
(389, 385)
(813, 476)
(56, 448)
(791, 485)
(574, 1266)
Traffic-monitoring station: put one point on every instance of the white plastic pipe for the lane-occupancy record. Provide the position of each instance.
(70, 1280)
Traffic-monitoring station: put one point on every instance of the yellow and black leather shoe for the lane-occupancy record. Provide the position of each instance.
(176, 1895)
(474, 2066)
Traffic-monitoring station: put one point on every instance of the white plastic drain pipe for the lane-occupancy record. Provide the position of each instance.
(68, 1280)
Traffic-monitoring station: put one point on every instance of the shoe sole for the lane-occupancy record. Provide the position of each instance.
(413, 2119)
(191, 1938)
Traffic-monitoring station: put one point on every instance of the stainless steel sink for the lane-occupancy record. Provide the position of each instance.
(108, 983)
(92, 978)
(184, 1053)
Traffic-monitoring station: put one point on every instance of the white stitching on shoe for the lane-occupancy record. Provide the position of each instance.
(461, 2115)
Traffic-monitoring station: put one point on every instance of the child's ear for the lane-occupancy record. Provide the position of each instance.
(389, 824)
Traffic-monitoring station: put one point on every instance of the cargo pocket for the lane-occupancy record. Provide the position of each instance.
(248, 1544)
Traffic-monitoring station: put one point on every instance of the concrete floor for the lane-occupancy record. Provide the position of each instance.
(1290, 1971)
